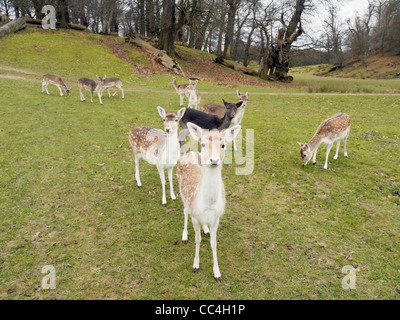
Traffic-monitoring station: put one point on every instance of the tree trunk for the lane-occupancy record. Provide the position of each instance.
(248, 44)
(150, 18)
(167, 35)
(233, 6)
(12, 26)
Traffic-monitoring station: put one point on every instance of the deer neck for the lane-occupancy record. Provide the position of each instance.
(315, 142)
(225, 122)
(172, 149)
(211, 191)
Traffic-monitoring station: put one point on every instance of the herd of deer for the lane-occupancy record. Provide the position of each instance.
(199, 174)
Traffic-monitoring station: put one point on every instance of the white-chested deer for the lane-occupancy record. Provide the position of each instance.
(218, 110)
(92, 86)
(193, 95)
(158, 148)
(57, 81)
(180, 89)
(334, 129)
(202, 188)
(113, 83)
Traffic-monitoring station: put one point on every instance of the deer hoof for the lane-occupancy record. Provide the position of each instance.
(184, 241)
(314, 163)
(164, 205)
(219, 279)
(195, 270)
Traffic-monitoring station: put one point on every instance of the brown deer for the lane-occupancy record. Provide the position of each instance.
(57, 81)
(331, 130)
(113, 83)
(181, 89)
(92, 86)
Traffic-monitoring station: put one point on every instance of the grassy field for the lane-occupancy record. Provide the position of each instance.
(68, 197)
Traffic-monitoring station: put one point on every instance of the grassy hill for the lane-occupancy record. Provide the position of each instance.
(68, 196)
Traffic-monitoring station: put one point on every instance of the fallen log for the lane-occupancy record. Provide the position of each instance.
(159, 56)
(12, 26)
(38, 22)
(230, 65)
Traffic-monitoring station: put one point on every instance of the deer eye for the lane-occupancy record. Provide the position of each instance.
(223, 146)
(203, 145)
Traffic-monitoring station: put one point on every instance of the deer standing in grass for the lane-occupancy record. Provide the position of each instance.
(181, 89)
(92, 86)
(113, 83)
(334, 129)
(218, 110)
(193, 95)
(202, 188)
(57, 81)
(158, 148)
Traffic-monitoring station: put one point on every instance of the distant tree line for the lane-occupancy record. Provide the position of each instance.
(243, 30)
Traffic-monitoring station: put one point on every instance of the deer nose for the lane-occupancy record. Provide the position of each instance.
(215, 161)
(167, 130)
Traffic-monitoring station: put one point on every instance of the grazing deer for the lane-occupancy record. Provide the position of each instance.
(57, 81)
(193, 95)
(92, 86)
(207, 121)
(334, 129)
(218, 110)
(112, 83)
(180, 89)
(202, 188)
(159, 148)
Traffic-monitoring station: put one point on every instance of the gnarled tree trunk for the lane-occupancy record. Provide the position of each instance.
(12, 26)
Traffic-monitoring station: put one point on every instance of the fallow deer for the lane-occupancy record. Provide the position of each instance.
(158, 148)
(57, 81)
(193, 95)
(92, 86)
(113, 83)
(207, 121)
(331, 130)
(218, 110)
(180, 89)
(202, 188)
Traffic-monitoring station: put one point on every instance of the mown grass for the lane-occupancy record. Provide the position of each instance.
(69, 199)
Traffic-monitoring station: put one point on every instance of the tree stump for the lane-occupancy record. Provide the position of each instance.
(12, 26)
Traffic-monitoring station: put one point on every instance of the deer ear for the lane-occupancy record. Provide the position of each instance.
(195, 130)
(300, 144)
(225, 103)
(98, 78)
(239, 104)
(181, 113)
(231, 133)
(161, 112)
(307, 146)
(238, 94)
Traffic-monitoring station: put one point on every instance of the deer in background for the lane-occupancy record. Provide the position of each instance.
(202, 188)
(331, 130)
(92, 86)
(113, 83)
(218, 110)
(158, 148)
(180, 89)
(57, 81)
(207, 121)
(193, 95)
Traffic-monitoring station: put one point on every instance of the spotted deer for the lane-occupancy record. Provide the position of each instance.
(218, 110)
(193, 95)
(331, 130)
(202, 188)
(113, 83)
(180, 89)
(55, 80)
(92, 86)
(158, 148)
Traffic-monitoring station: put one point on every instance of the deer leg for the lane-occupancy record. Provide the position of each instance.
(42, 87)
(59, 88)
(91, 95)
(99, 94)
(81, 94)
(181, 98)
(185, 232)
(123, 94)
(109, 94)
(171, 183)
(345, 148)
(315, 157)
(137, 175)
(337, 150)
(162, 178)
(46, 89)
(196, 263)
(206, 231)
(213, 241)
(328, 150)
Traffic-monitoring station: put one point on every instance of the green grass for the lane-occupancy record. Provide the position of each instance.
(66, 171)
